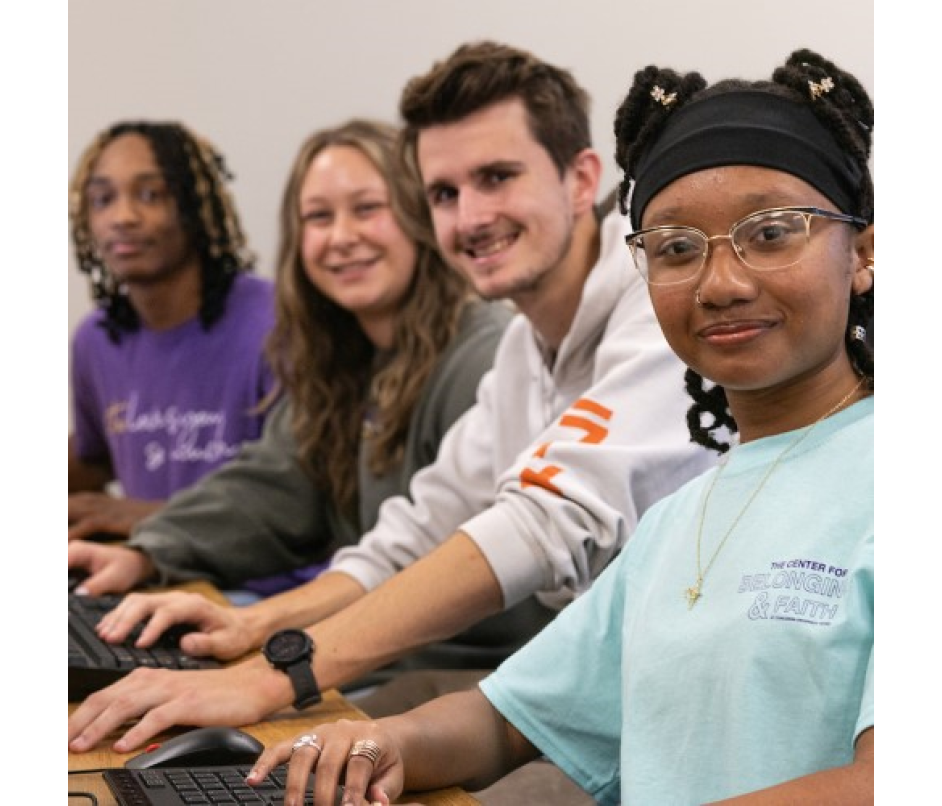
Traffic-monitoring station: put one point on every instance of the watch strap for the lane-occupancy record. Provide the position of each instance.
(306, 690)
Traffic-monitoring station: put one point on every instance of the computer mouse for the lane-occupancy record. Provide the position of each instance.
(201, 747)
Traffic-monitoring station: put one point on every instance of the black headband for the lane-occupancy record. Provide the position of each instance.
(747, 127)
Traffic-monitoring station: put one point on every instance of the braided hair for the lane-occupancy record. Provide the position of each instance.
(196, 174)
(839, 102)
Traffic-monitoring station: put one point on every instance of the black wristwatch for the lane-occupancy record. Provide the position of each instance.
(292, 651)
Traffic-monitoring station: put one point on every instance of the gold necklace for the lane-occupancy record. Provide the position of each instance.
(693, 593)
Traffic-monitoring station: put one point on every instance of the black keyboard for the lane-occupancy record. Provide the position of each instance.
(76, 577)
(184, 786)
(94, 663)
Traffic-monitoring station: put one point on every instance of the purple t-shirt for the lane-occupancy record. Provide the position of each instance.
(169, 406)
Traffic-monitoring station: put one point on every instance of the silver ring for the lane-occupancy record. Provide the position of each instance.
(307, 740)
(366, 748)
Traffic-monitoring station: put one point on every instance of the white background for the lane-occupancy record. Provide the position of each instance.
(257, 77)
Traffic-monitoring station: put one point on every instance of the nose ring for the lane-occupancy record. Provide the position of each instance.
(696, 297)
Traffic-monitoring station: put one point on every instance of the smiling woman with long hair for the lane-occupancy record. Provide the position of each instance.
(365, 307)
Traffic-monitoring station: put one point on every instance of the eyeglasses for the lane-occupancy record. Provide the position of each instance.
(763, 241)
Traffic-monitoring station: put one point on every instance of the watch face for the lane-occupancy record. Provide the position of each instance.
(287, 644)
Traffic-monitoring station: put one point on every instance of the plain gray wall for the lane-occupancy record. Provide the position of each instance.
(257, 77)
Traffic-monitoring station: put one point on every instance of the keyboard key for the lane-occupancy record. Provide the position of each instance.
(198, 785)
(94, 663)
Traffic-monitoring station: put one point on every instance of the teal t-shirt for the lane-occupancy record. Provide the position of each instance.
(642, 699)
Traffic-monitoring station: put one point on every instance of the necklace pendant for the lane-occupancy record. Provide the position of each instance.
(692, 595)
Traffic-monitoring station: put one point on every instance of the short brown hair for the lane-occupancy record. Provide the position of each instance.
(479, 74)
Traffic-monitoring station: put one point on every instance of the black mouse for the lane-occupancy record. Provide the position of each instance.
(202, 747)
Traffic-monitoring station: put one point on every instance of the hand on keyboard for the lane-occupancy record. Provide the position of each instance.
(94, 663)
(380, 777)
(212, 630)
(147, 701)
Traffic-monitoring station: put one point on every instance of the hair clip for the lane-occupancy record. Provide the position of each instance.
(822, 88)
(662, 97)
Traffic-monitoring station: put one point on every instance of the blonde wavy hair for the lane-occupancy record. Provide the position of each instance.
(319, 353)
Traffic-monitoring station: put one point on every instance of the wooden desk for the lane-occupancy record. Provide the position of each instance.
(283, 725)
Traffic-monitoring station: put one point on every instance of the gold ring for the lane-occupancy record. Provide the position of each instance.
(307, 740)
(366, 748)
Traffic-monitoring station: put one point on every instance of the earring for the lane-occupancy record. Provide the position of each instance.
(696, 297)
(869, 265)
(858, 333)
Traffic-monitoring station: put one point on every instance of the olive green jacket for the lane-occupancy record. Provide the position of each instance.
(260, 514)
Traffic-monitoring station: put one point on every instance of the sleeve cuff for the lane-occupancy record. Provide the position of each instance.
(519, 566)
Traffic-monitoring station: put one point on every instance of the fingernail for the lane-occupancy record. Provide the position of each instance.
(81, 590)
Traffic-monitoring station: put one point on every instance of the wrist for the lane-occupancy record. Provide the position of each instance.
(257, 623)
(145, 570)
(274, 686)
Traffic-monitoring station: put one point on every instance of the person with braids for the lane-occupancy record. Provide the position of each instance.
(168, 372)
(726, 655)
(576, 431)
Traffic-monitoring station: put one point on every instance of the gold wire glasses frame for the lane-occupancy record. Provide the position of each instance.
(765, 240)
